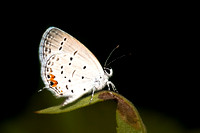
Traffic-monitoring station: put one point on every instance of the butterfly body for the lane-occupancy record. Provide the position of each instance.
(68, 68)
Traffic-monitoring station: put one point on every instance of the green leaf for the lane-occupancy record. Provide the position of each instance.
(127, 116)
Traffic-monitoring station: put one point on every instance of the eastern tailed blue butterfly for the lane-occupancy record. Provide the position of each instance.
(68, 68)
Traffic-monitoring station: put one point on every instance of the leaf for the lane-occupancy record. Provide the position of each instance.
(127, 116)
(75, 105)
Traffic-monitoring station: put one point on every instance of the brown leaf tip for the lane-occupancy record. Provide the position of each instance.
(125, 108)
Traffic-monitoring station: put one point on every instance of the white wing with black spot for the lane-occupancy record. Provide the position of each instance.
(68, 68)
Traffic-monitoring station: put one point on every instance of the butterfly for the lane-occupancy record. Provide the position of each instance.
(68, 68)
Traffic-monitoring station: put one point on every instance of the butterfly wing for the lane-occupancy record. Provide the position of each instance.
(68, 68)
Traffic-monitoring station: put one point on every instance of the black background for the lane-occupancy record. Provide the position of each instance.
(160, 74)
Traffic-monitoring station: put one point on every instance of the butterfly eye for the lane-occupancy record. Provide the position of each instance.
(108, 71)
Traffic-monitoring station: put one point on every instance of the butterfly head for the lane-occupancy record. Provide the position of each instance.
(108, 71)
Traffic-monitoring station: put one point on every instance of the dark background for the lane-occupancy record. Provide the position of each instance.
(159, 75)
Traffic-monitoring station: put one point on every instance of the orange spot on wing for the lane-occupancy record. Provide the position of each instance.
(55, 83)
(52, 76)
(52, 80)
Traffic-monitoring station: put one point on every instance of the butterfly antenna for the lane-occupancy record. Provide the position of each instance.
(105, 64)
(116, 59)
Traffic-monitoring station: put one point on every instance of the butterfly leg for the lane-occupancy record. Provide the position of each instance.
(112, 85)
(93, 89)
